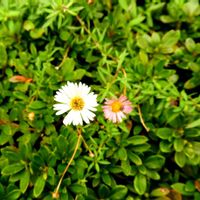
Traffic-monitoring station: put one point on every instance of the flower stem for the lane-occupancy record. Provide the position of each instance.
(141, 119)
(64, 58)
(87, 147)
(56, 194)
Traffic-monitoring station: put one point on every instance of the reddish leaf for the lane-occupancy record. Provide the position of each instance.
(20, 79)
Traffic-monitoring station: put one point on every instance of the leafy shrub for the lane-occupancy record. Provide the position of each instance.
(146, 49)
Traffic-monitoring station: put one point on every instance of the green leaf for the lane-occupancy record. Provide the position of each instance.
(2, 191)
(143, 43)
(190, 44)
(180, 187)
(3, 55)
(166, 19)
(143, 57)
(140, 184)
(180, 159)
(142, 169)
(137, 140)
(134, 158)
(189, 186)
(118, 192)
(193, 124)
(196, 147)
(79, 73)
(64, 35)
(165, 146)
(192, 82)
(164, 133)
(67, 68)
(154, 162)
(155, 38)
(194, 66)
(24, 181)
(38, 186)
(33, 49)
(152, 174)
(4, 138)
(141, 148)
(191, 8)
(78, 188)
(28, 25)
(74, 10)
(12, 195)
(3, 162)
(123, 4)
(126, 167)
(103, 191)
(95, 182)
(36, 33)
(170, 38)
(159, 192)
(122, 154)
(12, 169)
(116, 169)
(106, 179)
(196, 195)
(136, 21)
(179, 144)
(166, 49)
(37, 105)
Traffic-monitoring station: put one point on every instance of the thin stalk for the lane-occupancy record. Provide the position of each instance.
(56, 193)
(91, 154)
(141, 119)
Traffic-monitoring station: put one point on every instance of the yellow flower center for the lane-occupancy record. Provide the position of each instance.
(116, 106)
(77, 103)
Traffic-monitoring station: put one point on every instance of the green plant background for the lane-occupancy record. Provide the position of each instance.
(156, 43)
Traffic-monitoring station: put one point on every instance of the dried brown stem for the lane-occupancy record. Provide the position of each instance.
(141, 119)
(56, 193)
(91, 154)
(64, 57)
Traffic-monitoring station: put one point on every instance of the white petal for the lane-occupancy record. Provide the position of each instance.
(68, 91)
(88, 114)
(90, 102)
(77, 118)
(69, 118)
(84, 89)
(88, 107)
(61, 108)
(85, 118)
(61, 97)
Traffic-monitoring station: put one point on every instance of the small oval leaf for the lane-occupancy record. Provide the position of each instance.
(154, 162)
(118, 192)
(140, 184)
(39, 186)
(12, 169)
(180, 159)
(24, 181)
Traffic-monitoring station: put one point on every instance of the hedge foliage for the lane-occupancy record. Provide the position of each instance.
(149, 49)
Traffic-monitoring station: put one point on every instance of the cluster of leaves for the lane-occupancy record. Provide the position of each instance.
(151, 48)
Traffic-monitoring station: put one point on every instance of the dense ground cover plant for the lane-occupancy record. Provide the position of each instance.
(145, 51)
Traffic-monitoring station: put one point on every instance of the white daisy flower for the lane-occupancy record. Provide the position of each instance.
(77, 101)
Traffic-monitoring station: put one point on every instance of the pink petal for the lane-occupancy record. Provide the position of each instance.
(122, 98)
(127, 109)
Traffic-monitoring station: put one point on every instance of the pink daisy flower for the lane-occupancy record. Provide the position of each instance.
(115, 110)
